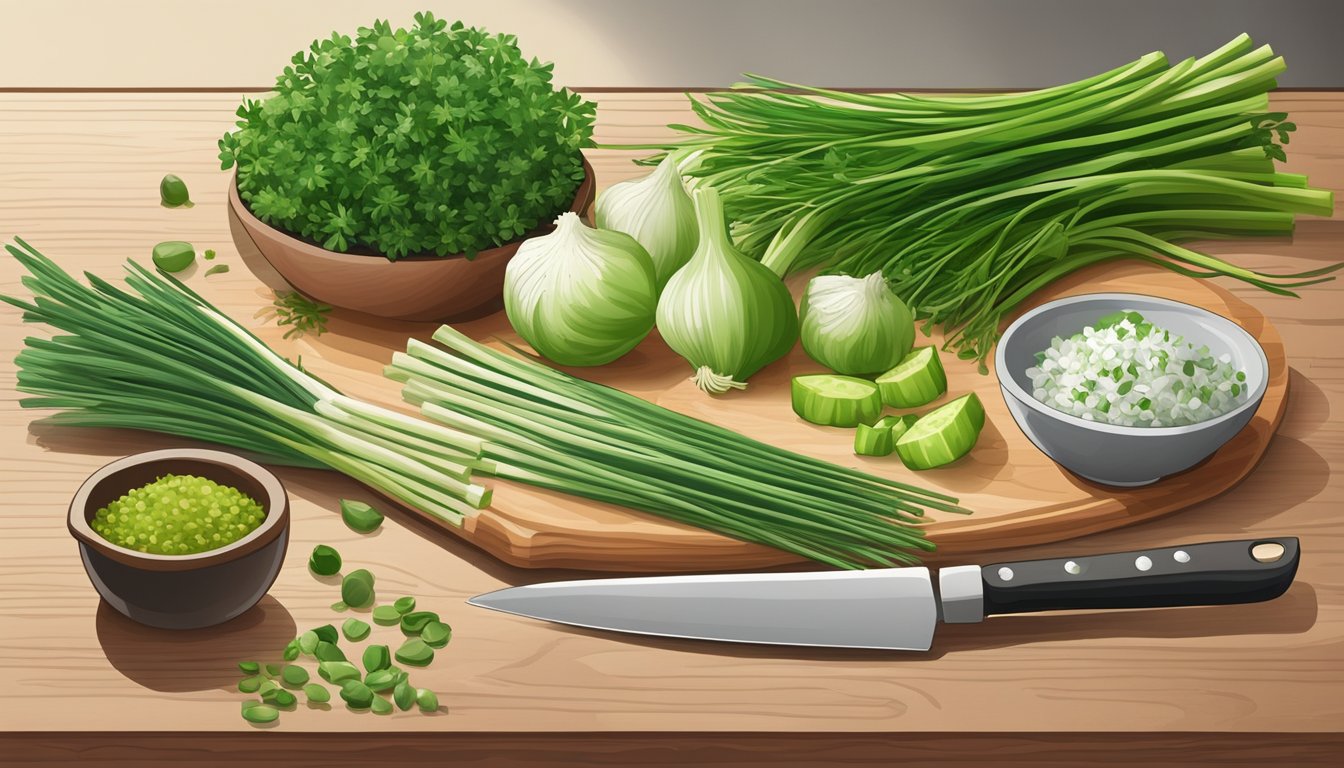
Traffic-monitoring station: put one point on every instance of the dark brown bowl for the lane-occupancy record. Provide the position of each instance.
(182, 591)
(423, 288)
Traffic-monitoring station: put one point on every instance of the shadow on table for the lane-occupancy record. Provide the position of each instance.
(193, 659)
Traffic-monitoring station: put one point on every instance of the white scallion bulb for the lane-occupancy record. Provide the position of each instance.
(727, 314)
(581, 296)
(855, 325)
(657, 212)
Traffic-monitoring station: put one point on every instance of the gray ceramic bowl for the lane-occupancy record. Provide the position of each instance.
(182, 591)
(1117, 455)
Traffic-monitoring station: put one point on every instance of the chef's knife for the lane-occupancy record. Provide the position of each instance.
(898, 608)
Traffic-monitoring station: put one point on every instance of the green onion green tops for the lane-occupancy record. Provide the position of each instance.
(970, 203)
(178, 515)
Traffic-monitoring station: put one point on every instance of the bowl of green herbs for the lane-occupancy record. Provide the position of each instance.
(181, 538)
(396, 172)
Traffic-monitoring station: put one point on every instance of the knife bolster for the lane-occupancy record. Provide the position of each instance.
(961, 595)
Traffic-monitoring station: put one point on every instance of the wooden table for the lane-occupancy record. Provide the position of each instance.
(78, 179)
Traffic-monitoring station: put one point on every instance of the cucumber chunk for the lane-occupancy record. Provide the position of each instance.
(880, 438)
(836, 401)
(917, 380)
(944, 435)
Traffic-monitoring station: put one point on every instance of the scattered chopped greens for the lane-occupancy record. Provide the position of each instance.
(386, 615)
(415, 621)
(209, 254)
(415, 652)
(355, 630)
(173, 192)
(254, 712)
(325, 561)
(434, 139)
(427, 699)
(335, 672)
(357, 694)
(357, 588)
(436, 634)
(404, 695)
(218, 269)
(173, 255)
(360, 516)
(294, 676)
(328, 633)
(328, 651)
(317, 694)
(377, 657)
(404, 604)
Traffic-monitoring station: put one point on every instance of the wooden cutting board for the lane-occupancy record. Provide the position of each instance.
(1019, 496)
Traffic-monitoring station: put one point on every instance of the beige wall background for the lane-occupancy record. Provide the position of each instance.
(652, 43)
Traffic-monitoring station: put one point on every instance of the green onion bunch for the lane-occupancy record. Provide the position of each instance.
(160, 358)
(968, 204)
(549, 429)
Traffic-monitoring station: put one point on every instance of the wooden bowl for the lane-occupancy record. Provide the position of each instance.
(422, 288)
(182, 591)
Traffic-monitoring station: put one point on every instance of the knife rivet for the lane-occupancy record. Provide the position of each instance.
(1073, 568)
(1181, 556)
(1143, 563)
(1006, 574)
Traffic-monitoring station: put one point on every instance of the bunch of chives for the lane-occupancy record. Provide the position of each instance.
(159, 358)
(546, 428)
(968, 204)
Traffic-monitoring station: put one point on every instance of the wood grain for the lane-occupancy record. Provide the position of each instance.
(605, 750)
(78, 179)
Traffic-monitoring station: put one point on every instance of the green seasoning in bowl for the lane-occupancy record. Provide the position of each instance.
(178, 515)
(1124, 370)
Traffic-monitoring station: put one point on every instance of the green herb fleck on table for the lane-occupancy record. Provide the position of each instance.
(173, 192)
(300, 313)
(360, 516)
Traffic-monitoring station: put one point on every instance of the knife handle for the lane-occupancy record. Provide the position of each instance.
(1218, 573)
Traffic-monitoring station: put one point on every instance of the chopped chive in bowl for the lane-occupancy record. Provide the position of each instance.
(1126, 371)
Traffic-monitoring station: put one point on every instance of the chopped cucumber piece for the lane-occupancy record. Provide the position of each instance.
(917, 380)
(943, 435)
(902, 425)
(876, 440)
(836, 401)
(880, 439)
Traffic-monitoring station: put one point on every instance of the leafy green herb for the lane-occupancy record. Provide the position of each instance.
(209, 254)
(301, 313)
(218, 269)
(433, 140)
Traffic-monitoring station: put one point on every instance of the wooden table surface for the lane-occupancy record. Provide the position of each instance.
(78, 180)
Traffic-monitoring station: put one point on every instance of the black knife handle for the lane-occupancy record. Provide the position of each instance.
(1197, 574)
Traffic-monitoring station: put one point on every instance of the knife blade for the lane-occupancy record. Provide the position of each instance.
(900, 608)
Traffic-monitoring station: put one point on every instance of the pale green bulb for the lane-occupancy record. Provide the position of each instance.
(727, 314)
(657, 212)
(855, 325)
(580, 296)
